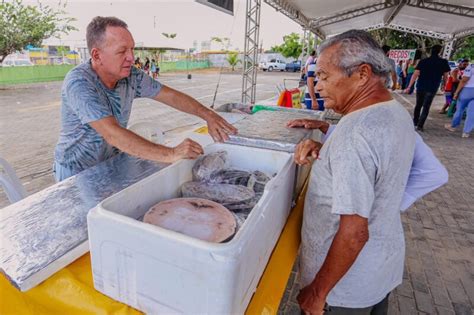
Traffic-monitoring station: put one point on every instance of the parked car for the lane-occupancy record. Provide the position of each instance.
(273, 64)
(293, 66)
(17, 63)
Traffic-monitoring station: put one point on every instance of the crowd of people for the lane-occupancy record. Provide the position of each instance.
(150, 67)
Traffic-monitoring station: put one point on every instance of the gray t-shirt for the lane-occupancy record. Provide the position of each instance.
(362, 169)
(86, 99)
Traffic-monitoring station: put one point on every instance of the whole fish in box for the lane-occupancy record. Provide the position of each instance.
(222, 193)
(209, 164)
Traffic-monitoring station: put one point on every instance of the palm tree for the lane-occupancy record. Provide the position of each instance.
(233, 59)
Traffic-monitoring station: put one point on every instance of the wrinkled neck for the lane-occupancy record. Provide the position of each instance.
(372, 93)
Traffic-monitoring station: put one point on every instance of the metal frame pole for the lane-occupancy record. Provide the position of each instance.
(448, 48)
(252, 29)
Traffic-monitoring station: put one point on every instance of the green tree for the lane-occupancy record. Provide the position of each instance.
(23, 25)
(233, 59)
(291, 46)
(464, 48)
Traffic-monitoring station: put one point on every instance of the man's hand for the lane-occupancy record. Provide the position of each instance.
(309, 124)
(305, 150)
(310, 302)
(218, 127)
(407, 90)
(188, 149)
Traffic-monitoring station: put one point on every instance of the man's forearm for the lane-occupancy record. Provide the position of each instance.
(183, 102)
(460, 87)
(131, 143)
(342, 254)
(311, 93)
(413, 79)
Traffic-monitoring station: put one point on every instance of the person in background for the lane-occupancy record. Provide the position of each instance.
(138, 63)
(311, 59)
(465, 101)
(153, 68)
(452, 84)
(429, 73)
(409, 70)
(401, 75)
(392, 83)
(146, 67)
(312, 98)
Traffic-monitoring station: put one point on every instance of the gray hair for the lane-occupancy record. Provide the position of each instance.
(358, 47)
(97, 27)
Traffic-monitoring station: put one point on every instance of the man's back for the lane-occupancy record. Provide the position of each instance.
(431, 72)
(362, 169)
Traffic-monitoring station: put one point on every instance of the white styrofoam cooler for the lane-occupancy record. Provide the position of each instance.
(163, 272)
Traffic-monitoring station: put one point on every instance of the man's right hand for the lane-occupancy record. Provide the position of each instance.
(188, 149)
(305, 150)
(309, 124)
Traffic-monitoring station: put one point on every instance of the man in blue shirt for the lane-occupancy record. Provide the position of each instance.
(97, 98)
(429, 72)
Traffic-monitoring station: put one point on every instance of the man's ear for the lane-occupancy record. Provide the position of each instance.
(364, 73)
(95, 55)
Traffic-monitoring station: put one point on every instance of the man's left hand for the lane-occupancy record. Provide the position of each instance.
(219, 128)
(310, 302)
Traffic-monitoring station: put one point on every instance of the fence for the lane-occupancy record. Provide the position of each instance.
(32, 74)
(183, 65)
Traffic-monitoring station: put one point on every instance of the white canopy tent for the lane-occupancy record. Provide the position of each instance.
(448, 20)
(445, 20)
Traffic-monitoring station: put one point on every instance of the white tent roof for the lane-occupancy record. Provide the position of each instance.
(445, 20)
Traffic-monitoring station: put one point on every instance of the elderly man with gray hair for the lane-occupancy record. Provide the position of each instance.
(97, 100)
(353, 245)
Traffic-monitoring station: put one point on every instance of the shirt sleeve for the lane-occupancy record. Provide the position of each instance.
(426, 174)
(145, 86)
(325, 137)
(85, 101)
(468, 71)
(354, 171)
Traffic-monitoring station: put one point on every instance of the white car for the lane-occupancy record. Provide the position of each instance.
(273, 64)
(17, 63)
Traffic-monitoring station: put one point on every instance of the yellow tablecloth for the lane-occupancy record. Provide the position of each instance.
(71, 291)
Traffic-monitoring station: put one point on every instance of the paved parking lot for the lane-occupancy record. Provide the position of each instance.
(439, 229)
